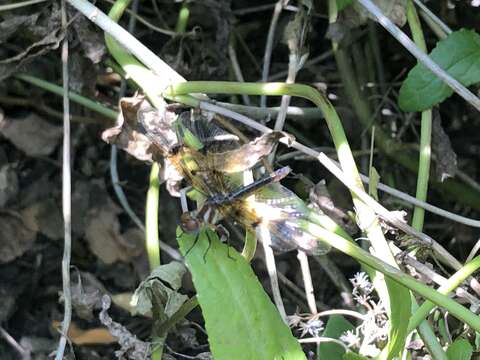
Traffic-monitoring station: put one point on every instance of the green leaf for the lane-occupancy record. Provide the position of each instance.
(353, 356)
(342, 4)
(241, 321)
(400, 311)
(460, 350)
(458, 55)
(335, 327)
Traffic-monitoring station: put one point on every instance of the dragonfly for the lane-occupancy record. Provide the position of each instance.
(213, 162)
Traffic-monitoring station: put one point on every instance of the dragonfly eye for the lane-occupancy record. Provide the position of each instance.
(188, 223)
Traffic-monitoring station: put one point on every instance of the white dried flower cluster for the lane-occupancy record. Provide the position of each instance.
(374, 329)
(307, 324)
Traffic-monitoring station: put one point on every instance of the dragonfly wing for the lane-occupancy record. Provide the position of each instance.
(283, 213)
(223, 149)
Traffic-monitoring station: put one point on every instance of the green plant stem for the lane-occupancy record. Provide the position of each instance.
(184, 310)
(451, 284)
(182, 20)
(151, 219)
(426, 127)
(58, 90)
(424, 328)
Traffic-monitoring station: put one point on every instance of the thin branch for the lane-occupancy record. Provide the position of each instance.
(267, 56)
(66, 195)
(20, 4)
(425, 10)
(232, 54)
(307, 281)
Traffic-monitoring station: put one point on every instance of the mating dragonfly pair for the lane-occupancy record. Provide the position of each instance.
(213, 162)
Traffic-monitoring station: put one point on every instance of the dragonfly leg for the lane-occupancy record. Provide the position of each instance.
(209, 245)
(224, 237)
(197, 236)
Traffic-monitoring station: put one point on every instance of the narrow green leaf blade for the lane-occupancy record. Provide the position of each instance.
(458, 55)
(241, 321)
(335, 327)
(460, 350)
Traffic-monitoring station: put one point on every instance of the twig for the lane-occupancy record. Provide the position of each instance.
(20, 4)
(264, 235)
(433, 17)
(232, 54)
(13, 343)
(323, 339)
(294, 112)
(267, 56)
(307, 281)
(421, 56)
(66, 195)
(337, 278)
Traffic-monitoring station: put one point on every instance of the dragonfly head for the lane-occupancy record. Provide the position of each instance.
(189, 223)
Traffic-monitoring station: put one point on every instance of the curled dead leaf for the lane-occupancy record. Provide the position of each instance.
(127, 134)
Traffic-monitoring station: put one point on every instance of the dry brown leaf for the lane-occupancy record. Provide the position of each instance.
(32, 134)
(95, 336)
(129, 135)
(45, 217)
(91, 39)
(126, 135)
(16, 236)
(445, 156)
(104, 238)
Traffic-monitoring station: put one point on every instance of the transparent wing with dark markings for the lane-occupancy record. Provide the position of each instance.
(283, 215)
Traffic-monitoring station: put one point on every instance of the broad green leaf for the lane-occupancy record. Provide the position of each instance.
(458, 55)
(460, 350)
(342, 4)
(335, 327)
(241, 321)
